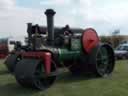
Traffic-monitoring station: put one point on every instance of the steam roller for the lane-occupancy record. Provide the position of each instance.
(49, 48)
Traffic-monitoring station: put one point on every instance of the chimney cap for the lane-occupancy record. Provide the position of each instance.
(50, 12)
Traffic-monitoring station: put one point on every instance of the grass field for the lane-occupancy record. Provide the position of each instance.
(67, 85)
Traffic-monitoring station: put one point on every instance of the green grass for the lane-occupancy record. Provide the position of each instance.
(67, 85)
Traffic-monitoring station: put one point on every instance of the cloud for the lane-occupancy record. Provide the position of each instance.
(55, 2)
(104, 16)
(14, 22)
(13, 19)
(7, 4)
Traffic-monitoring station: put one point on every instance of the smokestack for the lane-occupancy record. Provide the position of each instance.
(29, 30)
(50, 24)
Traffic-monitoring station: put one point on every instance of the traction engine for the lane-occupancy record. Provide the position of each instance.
(49, 48)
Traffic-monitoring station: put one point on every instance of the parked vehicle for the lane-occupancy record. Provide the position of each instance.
(121, 52)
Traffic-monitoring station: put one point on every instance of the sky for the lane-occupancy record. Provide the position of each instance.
(104, 16)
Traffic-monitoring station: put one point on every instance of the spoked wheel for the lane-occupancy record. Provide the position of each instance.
(11, 62)
(31, 73)
(105, 60)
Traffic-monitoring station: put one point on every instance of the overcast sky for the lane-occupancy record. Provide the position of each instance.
(103, 15)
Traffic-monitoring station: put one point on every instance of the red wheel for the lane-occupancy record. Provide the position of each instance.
(90, 39)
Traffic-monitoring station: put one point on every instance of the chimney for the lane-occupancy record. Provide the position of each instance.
(50, 24)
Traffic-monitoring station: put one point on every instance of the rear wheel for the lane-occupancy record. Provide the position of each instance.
(103, 60)
(31, 73)
(100, 62)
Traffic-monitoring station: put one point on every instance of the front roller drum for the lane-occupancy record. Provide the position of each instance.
(11, 62)
(31, 73)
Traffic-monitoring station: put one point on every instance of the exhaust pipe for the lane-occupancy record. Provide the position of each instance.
(29, 30)
(50, 24)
